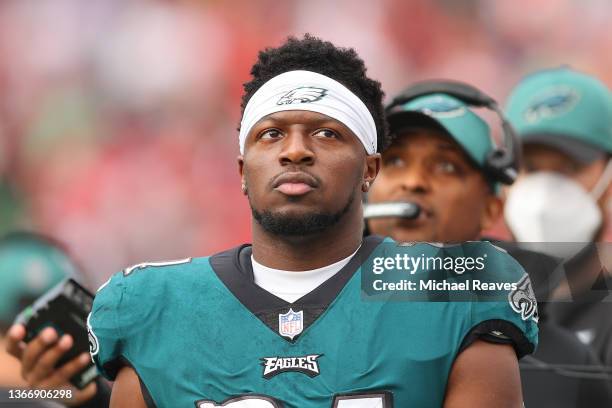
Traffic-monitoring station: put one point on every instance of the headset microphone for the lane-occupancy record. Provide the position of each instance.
(398, 209)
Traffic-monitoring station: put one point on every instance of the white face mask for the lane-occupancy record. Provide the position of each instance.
(549, 207)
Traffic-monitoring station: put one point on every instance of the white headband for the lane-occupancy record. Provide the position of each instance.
(309, 91)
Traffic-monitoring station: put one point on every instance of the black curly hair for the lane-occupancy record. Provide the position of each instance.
(341, 64)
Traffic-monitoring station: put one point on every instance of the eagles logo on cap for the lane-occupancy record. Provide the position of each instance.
(552, 102)
(303, 94)
(441, 107)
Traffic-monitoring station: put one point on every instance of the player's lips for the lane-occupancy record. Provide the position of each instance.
(295, 183)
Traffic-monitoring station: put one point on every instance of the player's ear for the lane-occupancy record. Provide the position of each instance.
(372, 167)
(241, 172)
(240, 159)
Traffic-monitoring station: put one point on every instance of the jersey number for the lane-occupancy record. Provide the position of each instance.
(382, 399)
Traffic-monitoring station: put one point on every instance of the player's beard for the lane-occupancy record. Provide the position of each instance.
(290, 225)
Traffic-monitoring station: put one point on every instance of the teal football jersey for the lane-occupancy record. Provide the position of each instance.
(200, 333)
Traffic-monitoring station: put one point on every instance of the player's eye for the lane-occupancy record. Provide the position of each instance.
(270, 134)
(325, 133)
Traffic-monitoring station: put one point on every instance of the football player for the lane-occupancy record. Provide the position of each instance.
(283, 322)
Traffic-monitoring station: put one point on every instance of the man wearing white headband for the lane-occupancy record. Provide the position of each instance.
(282, 322)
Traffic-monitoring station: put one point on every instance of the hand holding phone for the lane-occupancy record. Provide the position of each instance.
(54, 328)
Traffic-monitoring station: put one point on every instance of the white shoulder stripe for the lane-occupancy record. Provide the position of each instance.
(143, 265)
(104, 284)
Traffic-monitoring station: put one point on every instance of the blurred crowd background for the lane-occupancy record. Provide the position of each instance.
(118, 117)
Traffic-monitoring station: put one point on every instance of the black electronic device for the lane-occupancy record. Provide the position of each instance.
(64, 307)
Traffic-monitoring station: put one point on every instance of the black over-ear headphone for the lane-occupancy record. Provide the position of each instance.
(502, 163)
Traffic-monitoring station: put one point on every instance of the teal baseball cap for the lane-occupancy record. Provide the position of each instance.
(451, 115)
(565, 109)
(30, 265)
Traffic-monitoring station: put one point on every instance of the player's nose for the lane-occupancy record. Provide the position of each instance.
(296, 148)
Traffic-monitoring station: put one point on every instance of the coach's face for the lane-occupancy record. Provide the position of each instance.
(303, 171)
(429, 168)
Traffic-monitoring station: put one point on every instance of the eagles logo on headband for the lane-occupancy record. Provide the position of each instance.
(310, 91)
(303, 94)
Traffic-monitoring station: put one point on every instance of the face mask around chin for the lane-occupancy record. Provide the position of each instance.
(549, 207)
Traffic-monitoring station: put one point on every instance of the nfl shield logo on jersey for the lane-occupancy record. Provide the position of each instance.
(291, 323)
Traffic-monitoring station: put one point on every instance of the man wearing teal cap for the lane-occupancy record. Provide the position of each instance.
(437, 162)
(564, 119)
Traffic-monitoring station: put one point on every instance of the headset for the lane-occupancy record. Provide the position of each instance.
(502, 163)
